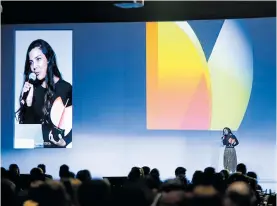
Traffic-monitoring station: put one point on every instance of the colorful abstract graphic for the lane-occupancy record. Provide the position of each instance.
(190, 90)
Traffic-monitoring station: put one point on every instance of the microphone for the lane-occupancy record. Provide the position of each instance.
(31, 79)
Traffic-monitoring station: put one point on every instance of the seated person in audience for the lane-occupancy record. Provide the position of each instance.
(5, 178)
(71, 186)
(205, 191)
(48, 193)
(135, 174)
(205, 186)
(94, 193)
(36, 179)
(219, 183)
(173, 185)
(180, 173)
(64, 172)
(209, 170)
(239, 194)
(83, 175)
(146, 170)
(240, 175)
(254, 176)
(225, 174)
(71, 174)
(241, 168)
(152, 185)
(196, 178)
(14, 176)
(171, 198)
(132, 194)
(43, 167)
(36, 175)
(8, 194)
(155, 174)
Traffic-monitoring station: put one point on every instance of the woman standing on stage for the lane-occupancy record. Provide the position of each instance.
(230, 157)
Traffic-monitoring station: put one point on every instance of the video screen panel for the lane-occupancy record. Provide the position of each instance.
(43, 89)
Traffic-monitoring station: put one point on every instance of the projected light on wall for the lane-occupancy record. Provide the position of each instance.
(191, 88)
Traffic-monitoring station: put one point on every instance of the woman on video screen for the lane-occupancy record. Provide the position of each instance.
(230, 141)
(46, 98)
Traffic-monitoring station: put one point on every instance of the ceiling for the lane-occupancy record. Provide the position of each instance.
(91, 11)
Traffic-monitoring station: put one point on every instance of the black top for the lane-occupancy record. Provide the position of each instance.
(34, 114)
(227, 138)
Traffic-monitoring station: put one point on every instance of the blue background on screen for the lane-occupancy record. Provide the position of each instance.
(109, 94)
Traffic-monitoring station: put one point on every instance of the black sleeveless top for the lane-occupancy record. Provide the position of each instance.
(34, 114)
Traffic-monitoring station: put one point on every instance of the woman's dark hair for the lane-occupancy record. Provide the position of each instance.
(52, 70)
(228, 129)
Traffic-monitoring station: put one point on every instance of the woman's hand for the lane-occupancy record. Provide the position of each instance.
(60, 143)
(28, 87)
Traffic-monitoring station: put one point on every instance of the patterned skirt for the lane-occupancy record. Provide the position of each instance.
(230, 159)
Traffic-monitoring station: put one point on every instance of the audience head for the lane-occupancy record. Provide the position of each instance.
(180, 171)
(173, 185)
(155, 173)
(43, 167)
(239, 187)
(135, 174)
(207, 186)
(83, 175)
(36, 174)
(238, 194)
(237, 177)
(64, 171)
(197, 177)
(225, 174)
(241, 168)
(8, 194)
(209, 171)
(14, 170)
(94, 192)
(146, 170)
(4, 173)
(172, 198)
(49, 193)
(252, 175)
(219, 183)
(208, 176)
(71, 174)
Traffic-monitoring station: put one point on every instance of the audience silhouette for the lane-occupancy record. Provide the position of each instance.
(143, 187)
